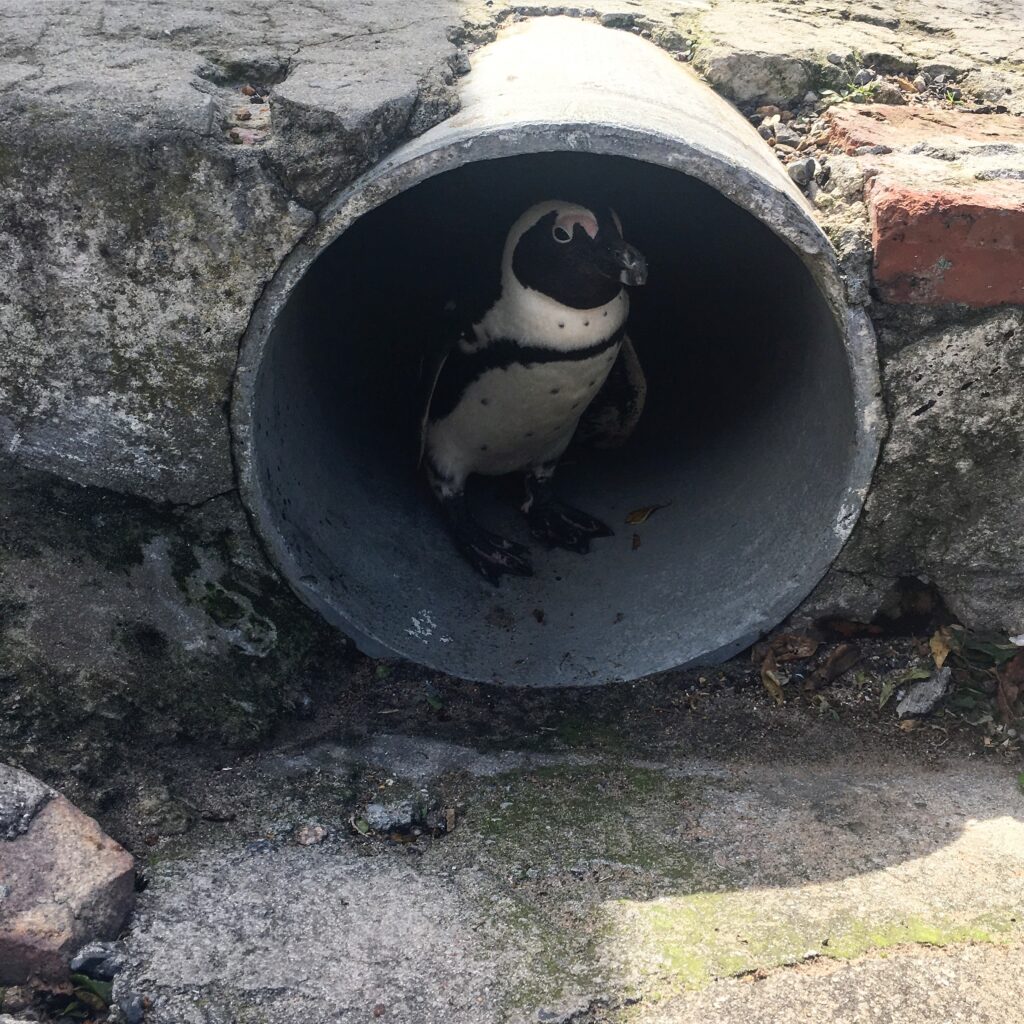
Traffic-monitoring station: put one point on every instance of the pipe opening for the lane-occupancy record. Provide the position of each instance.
(747, 440)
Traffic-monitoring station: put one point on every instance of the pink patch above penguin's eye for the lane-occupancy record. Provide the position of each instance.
(567, 224)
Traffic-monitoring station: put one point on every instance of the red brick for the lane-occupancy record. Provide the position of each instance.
(941, 245)
(940, 233)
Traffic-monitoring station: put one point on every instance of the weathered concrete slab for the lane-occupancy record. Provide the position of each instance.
(948, 485)
(580, 887)
(775, 52)
(135, 236)
(63, 882)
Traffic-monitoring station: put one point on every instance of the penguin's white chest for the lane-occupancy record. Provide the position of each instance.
(525, 413)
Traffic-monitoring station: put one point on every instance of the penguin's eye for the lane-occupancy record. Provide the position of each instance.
(560, 234)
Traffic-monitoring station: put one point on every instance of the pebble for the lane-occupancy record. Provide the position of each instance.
(310, 835)
(786, 136)
(387, 817)
(886, 92)
(863, 77)
(766, 132)
(99, 960)
(953, 94)
(810, 97)
(922, 697)
(921, 83)
(835, 58)
(768, 110)
(802, 171)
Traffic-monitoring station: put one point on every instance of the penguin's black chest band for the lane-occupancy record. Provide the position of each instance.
(461, 369)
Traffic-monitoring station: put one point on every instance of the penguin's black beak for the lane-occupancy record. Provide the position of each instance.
(627, 263)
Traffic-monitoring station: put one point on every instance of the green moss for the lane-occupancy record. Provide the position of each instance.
(692, 940)
(557, 818)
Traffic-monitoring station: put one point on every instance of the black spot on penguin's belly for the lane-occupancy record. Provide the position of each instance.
(461, 369)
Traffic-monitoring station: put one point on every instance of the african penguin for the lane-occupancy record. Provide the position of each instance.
(509, 393)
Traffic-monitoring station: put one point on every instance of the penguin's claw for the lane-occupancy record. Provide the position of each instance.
(493, 556)
(562, 526)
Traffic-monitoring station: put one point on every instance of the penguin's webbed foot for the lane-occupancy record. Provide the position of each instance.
(492, 556)
(562, 526)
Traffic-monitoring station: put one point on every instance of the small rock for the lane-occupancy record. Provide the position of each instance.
(310, 835)
(802, 171)
(810, 97)
(786, 116)
(21, 797)
(921, 83)
(954, 94)
(99, 960)
(786, 136)
(922, 697)
(768, 111)
(766, 131)
(67, 884)
(618, 19)
(383, 817)
(863, 76)
(244, 114)
(871, 151)
(835, 58)
(886, 92)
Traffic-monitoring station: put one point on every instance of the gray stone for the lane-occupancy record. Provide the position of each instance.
(836, 58)
(802, 171)
(863, 76)
(386, 817)
(21, 797)
(619, 19)
(957, 416)
(100, 960)
(923, 696)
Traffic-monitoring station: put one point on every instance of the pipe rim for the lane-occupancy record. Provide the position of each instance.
(440, 151)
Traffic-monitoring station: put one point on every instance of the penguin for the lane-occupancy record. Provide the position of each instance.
(508, 394)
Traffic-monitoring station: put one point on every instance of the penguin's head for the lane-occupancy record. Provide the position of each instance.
(574, 255)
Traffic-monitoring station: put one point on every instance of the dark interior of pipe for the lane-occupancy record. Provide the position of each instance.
(747, 436)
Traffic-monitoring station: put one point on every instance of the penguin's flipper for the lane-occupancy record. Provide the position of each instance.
(612, 416)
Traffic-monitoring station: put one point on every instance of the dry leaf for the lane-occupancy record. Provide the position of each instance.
(841, 660)
(771, 679)
(793, 647)
(940, 646)
(1010, 680)
(641, 515)
(907, 86)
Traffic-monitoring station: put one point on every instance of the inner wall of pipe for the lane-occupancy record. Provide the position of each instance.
(746, 440)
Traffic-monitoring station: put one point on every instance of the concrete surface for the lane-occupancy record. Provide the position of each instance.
(592, 885)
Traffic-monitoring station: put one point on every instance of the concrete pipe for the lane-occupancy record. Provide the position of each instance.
(762, 422)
